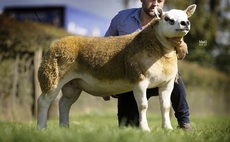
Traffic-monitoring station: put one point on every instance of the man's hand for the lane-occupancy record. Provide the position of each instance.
(180, 46)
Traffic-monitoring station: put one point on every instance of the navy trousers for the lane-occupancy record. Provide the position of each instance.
(128, 112)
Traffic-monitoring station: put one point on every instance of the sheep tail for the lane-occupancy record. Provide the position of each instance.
(48, 73)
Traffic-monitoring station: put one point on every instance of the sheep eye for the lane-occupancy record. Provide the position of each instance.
(171, 22)
(167, 19)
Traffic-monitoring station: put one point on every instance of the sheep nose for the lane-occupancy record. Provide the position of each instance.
(185, 23)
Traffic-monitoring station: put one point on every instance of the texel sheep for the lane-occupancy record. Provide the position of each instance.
(104, 66)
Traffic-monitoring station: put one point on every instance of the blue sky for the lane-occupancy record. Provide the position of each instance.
(104, 8)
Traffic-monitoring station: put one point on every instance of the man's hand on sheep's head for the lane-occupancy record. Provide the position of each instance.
(180, 46)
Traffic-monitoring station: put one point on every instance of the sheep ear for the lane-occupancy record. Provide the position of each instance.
(158, 12)
(190, 10)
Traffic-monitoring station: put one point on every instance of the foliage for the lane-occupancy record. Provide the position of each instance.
(25, 37)
(103, 128)
(194, 74)
(222, 62)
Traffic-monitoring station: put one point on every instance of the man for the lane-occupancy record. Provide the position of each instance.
(127, 22)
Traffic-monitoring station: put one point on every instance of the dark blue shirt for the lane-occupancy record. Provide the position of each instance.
(125, 22)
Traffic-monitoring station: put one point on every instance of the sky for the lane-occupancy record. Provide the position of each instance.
(104, 8)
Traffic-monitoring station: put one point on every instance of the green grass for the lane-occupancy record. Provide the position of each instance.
(103, 128)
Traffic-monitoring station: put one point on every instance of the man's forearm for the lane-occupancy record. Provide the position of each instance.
(181, 50)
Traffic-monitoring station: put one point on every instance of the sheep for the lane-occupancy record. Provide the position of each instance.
(104, 66)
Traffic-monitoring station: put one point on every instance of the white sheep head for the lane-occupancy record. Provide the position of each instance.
(175, 23)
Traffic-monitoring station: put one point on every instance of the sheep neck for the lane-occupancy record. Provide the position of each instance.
(152, 40)
(164, 41)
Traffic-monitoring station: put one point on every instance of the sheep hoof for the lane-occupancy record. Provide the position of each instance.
(167, 127)
(147, 129)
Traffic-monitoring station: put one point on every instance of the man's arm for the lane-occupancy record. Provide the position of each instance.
(180, 46)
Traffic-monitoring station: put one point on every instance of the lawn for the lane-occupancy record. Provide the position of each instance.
(102, 127)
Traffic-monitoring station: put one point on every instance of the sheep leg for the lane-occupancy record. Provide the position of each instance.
(70, 94)
(165, 103)
(44, 102)
(142, 104)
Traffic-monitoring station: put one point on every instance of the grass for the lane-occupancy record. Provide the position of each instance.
(102, 127)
